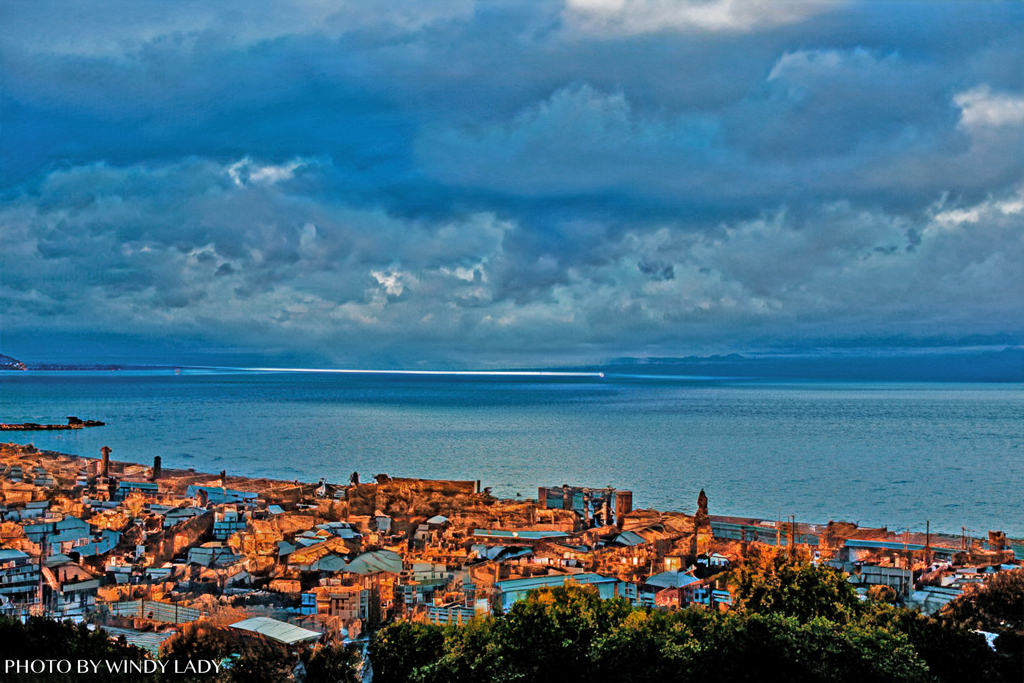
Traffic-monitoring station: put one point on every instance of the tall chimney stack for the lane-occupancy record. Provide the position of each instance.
(156, 468)
(105, 469)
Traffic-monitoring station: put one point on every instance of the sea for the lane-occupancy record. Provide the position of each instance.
(879, 454)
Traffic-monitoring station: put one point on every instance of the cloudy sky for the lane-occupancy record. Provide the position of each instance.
(506, 183)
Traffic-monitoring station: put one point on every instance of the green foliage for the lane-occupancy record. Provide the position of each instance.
(996, 607)
(769, 582)
(793, 621)
(740, 646)
(882, 594)
(550, 634)
(570, 634)
(336, 663)
(470, 653)
(40, 639)
(397, 650)
(650, 645)
(953, 653)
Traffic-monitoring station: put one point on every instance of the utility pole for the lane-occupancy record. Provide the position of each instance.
(42, 561)
(928, 542)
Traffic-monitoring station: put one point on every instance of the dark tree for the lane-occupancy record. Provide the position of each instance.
(792, 621)
(996, 607)
(397, 650)
(246, 659)
(335, 663)
(40, 639)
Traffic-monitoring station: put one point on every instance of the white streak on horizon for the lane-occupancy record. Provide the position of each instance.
(462, 373)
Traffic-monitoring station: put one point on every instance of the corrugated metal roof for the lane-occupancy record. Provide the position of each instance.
(671, 579)
(7, 554)
(525, 535)
(547, 581)
(148, 640)
(376, 561)
(629, 538)
(887, 545)
(216, 494)
(277, 630)
(150, 485)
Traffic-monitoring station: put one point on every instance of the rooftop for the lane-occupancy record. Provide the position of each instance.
(280, 631)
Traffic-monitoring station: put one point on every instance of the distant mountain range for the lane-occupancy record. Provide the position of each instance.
(1006, 365)
(77, 366)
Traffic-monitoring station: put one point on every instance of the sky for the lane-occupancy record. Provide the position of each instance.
(478, 184)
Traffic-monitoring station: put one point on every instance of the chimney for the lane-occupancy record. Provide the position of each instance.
(223, 479)
(105, 470)
(156, 468)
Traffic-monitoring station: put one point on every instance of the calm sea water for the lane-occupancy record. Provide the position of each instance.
(877, 454)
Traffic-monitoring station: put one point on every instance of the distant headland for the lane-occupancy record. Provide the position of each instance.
(8, 363)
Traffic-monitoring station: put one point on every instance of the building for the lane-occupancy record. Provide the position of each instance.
(70, 590)
(272, 629)
(513, 590)
(598, 507)
(19, 581)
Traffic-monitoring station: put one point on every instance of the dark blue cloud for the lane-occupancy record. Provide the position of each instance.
(492, 180)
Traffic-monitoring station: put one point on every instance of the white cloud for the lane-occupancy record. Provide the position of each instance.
(644, 16)
(813, 66)
(983, 109)
(988, 211)
(246, 171)
(391, 281)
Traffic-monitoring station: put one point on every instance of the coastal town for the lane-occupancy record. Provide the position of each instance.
(143, 550)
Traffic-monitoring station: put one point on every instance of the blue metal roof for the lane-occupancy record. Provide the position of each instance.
(524, 535)
(218, 495)
(549, 581)
(886, 545)
(148, 485)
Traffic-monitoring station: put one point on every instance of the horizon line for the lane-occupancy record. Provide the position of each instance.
(474, 373)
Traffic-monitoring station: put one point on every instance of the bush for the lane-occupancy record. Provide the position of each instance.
(337, 663)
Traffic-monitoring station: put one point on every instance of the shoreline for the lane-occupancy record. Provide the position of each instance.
(275, 487)
(140, 546)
